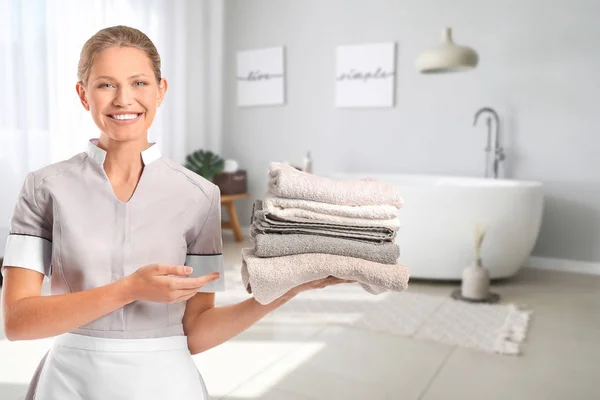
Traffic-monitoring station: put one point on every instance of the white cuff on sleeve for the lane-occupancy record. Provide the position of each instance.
(204, 264)
(29, 252)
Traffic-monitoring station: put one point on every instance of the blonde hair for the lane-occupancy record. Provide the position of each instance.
(116, 36)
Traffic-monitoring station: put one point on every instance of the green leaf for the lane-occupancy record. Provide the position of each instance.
(205, 163)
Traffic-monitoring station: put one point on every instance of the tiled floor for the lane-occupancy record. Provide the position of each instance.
(320, 361)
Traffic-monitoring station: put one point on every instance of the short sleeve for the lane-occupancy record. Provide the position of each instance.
(29, 243)
(205, 250)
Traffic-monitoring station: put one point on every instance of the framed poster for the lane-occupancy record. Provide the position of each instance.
(260, 77)
(365, 75)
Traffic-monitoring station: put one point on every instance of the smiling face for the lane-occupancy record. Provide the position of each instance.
(122, 93)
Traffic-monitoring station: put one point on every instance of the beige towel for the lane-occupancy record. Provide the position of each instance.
(269, 278)
(301, 215)
(285, 245)
(297, 207)
(286, 181)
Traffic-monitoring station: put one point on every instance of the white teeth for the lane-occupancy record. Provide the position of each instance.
(124, 116)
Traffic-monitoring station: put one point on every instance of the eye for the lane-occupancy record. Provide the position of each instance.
(140, 83)
(104, 85)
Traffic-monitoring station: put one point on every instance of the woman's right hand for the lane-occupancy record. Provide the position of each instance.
(154, 283)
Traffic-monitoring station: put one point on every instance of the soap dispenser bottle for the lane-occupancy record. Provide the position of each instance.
(307, 164)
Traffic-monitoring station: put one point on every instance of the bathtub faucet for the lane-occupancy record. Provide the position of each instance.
(498, 150)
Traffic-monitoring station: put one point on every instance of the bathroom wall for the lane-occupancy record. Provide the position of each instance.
(538, 68)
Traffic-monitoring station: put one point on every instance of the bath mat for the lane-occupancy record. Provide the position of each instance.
(493, 328)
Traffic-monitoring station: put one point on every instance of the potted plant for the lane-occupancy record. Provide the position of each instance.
(205, 163)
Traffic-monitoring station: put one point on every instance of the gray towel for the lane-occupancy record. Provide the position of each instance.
(368, 237)
(259, 227)
(285, 245)
(275, 220)
(270, 278)
(263, 222)
(286, 181)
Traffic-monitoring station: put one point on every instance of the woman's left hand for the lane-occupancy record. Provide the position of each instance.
(316, 284)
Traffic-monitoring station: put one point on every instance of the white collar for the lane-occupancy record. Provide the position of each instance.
(152, 153)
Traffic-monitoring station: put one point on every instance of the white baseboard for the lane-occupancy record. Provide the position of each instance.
(557, 264)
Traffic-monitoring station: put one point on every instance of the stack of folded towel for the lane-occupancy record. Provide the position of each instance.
(309, 227)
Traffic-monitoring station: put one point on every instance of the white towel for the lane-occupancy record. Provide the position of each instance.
(301, 215)
(286, 181)
(270, 278)
(298, 207)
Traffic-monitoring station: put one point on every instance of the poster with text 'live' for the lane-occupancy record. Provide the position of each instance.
(260, 77)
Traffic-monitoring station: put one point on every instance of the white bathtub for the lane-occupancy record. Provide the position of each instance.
(440, 214)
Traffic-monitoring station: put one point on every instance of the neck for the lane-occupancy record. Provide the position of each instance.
(123, 159)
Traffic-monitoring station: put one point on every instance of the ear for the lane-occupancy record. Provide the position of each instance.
(82, 96)
(162, 89)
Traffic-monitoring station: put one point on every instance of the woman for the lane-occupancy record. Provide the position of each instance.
(132, 243)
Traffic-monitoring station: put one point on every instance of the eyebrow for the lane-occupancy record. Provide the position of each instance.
(131, 77)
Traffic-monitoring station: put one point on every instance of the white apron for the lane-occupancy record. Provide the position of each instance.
(93, 368)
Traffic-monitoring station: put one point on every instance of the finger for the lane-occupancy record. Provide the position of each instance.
(326, 282)
(165, 269)
(344, 280)
(195, 283)
(336, 281)
(323, 282)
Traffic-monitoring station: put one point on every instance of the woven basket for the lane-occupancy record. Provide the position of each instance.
(232, 182)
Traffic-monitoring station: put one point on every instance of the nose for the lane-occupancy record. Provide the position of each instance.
(123, 97)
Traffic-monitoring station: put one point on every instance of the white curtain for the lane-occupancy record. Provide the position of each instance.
(41, 119)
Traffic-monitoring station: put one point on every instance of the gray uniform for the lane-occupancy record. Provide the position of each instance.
(69, 225)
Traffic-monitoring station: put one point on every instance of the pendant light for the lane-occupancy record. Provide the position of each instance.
(447, 57)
